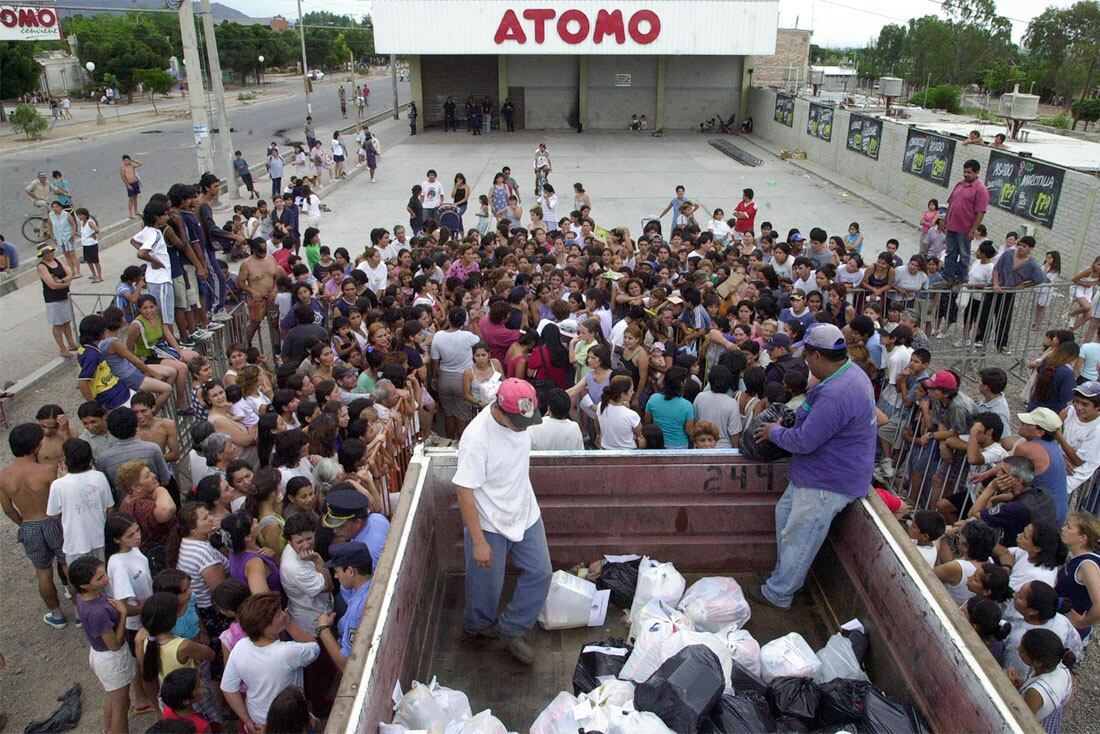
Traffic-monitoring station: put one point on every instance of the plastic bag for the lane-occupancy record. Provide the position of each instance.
(745, 681)
(859, 641)
(790, 725)
(795, 696)
(885, 715)
(743, 647)
(483, 723)
(714, 603)
(838, 660)
(744, 713)
(657, 581)
(567, 603)
(418, 709)
(646, 655)
(618, 693)
(636, 722)
(622, 580)
(683, 638)
(64, 718)
(754, 450)
(684, 689)
(657, 611)
(789, 655)
(557, 718)
(841, 702)
(597, 662)
(454, 703)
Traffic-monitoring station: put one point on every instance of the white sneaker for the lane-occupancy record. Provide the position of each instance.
(221, 316)
(213, 326)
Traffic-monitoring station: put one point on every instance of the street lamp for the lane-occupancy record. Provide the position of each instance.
(261, 69)
(90, 66)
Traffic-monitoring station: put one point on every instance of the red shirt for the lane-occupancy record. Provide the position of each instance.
(967, 200)
(747, 224)
(201, 725)
(498, 337)
(282, 256)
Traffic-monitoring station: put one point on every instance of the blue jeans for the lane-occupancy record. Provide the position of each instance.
(802, 520)
(484, 585)
(956, 261)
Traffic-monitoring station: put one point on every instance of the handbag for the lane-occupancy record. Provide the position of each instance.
(162, 349)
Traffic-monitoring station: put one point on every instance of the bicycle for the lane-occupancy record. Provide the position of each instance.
(35, 229)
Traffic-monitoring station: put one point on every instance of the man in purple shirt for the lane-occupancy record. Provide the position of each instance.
(832, 447)
(966, 207)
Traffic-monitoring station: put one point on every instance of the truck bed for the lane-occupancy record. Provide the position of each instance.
(517, 693)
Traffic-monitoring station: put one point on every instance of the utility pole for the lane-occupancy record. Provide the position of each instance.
(393, 74)
(200, 120)
(225, 136)
(305, 64)
(354, 88)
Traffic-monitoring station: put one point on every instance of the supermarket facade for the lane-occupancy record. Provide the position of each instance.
(584, 64)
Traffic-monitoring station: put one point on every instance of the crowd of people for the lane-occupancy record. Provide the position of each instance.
(227, 581)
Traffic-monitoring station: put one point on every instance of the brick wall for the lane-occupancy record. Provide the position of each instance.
(1076, 231)
(792, 49)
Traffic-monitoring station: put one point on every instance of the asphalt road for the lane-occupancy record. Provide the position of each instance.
(167, 152)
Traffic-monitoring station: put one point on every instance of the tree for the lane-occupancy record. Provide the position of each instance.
(121, 44)
(19, 72)
(1065, 41)
(154, 81)
(26, 117)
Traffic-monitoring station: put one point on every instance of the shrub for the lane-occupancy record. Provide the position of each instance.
(1087, 110)
(1061, 121)
(941, 97)
(27, 119)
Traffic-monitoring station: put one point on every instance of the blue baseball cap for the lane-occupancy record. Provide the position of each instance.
(778, 339)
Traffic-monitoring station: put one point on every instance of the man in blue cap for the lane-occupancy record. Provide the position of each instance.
(782, 361)
(832, 447)
(349, 517)
(351, 565)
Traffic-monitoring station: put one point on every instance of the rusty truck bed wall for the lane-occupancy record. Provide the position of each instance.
(709, 512)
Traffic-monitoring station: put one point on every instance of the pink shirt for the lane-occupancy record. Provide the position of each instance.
(966, 202)
(498, 337)
(460, 271)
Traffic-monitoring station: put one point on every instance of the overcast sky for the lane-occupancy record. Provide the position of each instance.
(834, 22)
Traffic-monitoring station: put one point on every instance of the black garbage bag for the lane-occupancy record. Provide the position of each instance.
(743, 713)
(885, 715)
(841, 702)
(754, 450)
(684, 689)
(795, 696)
(859, 641)
(65, 718)
(622, 580)
(603, 658)
(790, 725)
(743, 680)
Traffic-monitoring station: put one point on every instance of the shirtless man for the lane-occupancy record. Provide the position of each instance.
(257, 278)
(161, 431)
(57, 431)
(128, 172)
(24, 490)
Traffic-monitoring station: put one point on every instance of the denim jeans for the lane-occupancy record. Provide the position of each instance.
(802, 520)
(956, 261)
(484, 585)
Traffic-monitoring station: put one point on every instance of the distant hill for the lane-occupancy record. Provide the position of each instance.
(217, 10)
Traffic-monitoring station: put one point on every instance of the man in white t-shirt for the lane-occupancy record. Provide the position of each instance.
(1080, 435)
(983, 452)
(431, 196)
(153, 250)
(899, 350)
(557, 432)
(81, 498)
(502, 519)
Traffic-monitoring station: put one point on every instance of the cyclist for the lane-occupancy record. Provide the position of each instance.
(543, 167)
(39, 191)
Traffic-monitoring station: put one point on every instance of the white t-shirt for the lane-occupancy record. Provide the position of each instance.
(311, 207)
(809, 285)
(453, 350)
(377, 278)
(152, 241)
(267, 671)
(305, 590)
(494, 461)
(617, 425)
(196, 462)
(852, 280)
(1024, 570)
(337, 147)
(927, 552)
(555, 434)
(719, 229)
(130, 579)
(616, 335)
(783, 270)
(1055, 688)
(1085, 440)
(1059, 624)
(992, 454)
(980, 274)
(897, 359)
(302, 469)
(82, 501)
(433, 194)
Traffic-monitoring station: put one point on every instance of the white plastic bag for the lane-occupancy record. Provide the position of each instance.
(743, 647)
(417, 709)
(838, 660)
(715, 602)
(618, 693)
(682, 638)
(789, 655)
(646, 656)
(483, 723)
(657, 610)
(657, 581)
(454, 703)
(557, 718)
(567, 603)
(636, 722)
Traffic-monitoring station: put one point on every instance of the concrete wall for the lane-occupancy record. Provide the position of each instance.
(550, 89)
(610, 107)
(788, 65)
(698, 88)
(1076, 222)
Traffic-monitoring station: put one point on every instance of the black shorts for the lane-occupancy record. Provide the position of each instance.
(957, 500)
(91, 255)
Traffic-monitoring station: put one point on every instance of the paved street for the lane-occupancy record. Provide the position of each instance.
(166, 150)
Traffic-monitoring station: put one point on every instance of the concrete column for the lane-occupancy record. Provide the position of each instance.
(200, 118)
(502, 79)
(417, 90)
(746, 84)
(660, 124)
(225, 136)
(582, 91)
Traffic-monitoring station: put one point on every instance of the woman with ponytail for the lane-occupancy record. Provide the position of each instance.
(674, 415)
(990, 581)
(1037, 606)
(620, 427)
(159, 651)
(248, 563)
(1038, 555)
(1050, 686)
(985, 617)
(131, 582)
(1079, 580)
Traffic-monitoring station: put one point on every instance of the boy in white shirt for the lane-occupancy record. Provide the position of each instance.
(431, 196)
(152, 248)
(81, 498)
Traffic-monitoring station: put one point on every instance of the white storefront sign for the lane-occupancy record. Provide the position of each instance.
(25, 23)
(596, 27)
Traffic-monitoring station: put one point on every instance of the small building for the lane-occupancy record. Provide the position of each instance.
(835, 78)
(786, 68)
(585, 64)
(61, 72)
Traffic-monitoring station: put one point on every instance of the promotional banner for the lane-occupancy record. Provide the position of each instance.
(929, 156)
(1024, 186)
(864, 135)
(820, 122)
(25, 23)
(784, 109)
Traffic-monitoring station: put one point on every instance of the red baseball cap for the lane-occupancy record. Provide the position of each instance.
(944, 380)
(517, 399)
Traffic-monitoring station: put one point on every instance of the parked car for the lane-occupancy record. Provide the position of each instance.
(316, 75)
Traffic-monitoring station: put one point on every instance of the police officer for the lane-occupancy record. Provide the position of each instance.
(351, 565)
(350, 520)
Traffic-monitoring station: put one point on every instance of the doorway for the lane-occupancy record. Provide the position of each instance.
(516, 93)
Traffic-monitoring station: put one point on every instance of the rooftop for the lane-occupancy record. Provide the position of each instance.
(835, 70)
